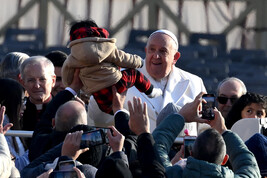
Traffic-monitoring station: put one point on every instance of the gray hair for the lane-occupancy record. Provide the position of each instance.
(37, 60)
(10, 65)
(244, 89)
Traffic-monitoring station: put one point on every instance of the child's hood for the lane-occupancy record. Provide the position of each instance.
(92, 50)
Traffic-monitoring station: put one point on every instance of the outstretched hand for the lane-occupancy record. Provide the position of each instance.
(116, 139)
(139, 121)
(190, 111)
(4, 129)
(71, 145)
(218, 122)
(118, 99)
(76, 83)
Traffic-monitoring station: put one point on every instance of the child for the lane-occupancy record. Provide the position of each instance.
(99, 61)
(250, 105)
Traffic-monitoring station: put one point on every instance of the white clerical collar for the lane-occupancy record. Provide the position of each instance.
(162, 83)
(39, 106)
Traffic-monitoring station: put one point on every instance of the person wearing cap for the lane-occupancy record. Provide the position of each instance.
(178, 86)
(228, 91)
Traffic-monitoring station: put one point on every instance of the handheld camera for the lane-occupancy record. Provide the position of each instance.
(94, 138)
(65, 170)
(188, 145)
(207, 108)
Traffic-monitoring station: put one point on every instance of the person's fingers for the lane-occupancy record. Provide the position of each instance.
(7, 127)
(145, 109)
(115, 131)
(67, 137)
(79, 173)
(199, 99)
(114, 91)
(84, 150)
(79, 100)
(135, 104)
(139, 105)
(77, 72)
(79, 137)
(2, 114)
(130, 107)
(49, 171)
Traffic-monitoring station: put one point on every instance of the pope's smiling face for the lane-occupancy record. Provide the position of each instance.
(161, 55)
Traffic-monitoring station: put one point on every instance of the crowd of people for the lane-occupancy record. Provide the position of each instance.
(131, 122)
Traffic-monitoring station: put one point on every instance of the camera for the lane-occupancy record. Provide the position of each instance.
(188, 145)
(63, 174)
(65, 170)
(105, 130)
(94, 138)
(207, 108)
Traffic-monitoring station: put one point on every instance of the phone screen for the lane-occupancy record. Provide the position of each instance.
(105, 131)
(66, 165)
(207, 108)
(188, 145)
(63, 174)
(92, 138)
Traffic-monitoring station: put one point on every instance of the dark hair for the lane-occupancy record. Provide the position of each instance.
(11, 93)
(57, 58)
(83, 23)
(234, 114)
(209, 146)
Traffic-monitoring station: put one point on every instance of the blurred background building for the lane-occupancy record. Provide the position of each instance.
(218, 38)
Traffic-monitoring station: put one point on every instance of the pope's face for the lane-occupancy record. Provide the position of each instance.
(161, 55)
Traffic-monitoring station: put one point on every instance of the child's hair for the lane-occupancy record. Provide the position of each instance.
(86, 28)
(235, 113)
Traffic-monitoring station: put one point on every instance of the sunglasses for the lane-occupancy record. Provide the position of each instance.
(223, 100)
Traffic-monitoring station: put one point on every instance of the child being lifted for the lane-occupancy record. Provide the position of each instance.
(99, 62)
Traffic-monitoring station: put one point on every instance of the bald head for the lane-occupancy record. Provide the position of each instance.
(69, 115)
(230, 88)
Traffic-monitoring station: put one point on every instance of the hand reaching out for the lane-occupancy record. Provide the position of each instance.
(190, 111)
(139, 121)
(4, 129)
(71, 145)
(76, 83)
(116, 139)
(218, 122)
(118, 99)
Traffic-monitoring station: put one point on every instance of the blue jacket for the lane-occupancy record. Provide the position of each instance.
(242, 160)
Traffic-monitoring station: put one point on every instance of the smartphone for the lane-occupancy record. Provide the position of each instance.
(93, 138)
(188, 145)
(105, 131)
(66, 165)
(207, 108)
(65, 170)
(63, 174)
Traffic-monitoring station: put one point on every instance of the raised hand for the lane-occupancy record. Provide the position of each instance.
(139, 121)
(4, 129)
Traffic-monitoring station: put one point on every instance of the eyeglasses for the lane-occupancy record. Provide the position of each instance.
(24, 101)
(223, 100)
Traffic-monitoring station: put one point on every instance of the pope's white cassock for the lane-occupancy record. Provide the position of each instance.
(180, 87)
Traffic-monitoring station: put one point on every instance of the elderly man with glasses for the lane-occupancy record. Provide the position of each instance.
(228, 91)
